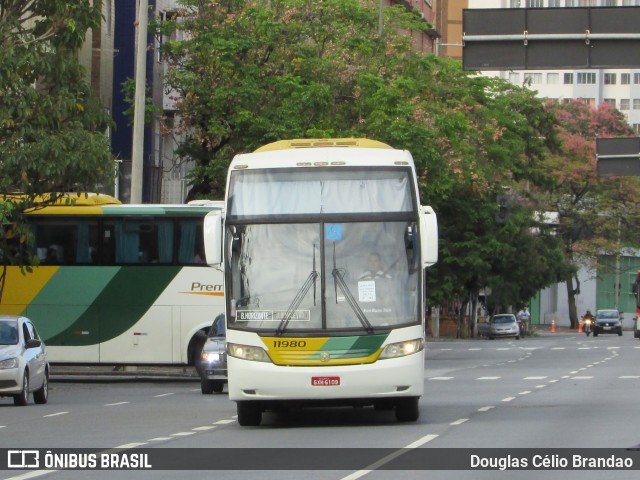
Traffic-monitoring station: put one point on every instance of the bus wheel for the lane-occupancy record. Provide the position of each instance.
(407, 409)
(249, 414)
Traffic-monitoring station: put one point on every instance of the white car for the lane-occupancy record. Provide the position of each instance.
(24, 368)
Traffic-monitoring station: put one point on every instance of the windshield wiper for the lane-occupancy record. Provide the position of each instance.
(339, 282)
(311, 280)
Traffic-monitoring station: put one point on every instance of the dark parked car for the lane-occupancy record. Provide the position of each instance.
(607, 321)
(212, 365)
(24, 368)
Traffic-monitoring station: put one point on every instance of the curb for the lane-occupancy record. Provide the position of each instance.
(101, 373)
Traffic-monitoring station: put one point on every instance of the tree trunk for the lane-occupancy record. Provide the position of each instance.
(461, 319)
(571, 296)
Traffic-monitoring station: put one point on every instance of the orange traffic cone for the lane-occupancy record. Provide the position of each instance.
(579, 327)
(553, 326)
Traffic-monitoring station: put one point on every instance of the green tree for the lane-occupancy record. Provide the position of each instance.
(51, 125)
(596, 215)
(251, 72)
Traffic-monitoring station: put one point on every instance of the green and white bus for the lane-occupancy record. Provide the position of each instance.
(118, 284)
(323, 244)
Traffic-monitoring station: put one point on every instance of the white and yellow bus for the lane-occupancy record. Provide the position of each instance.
(323, 244)
(118, 284)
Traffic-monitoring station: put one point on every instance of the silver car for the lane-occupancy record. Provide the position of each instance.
(24, 368)
(501, 325)
(212, 365)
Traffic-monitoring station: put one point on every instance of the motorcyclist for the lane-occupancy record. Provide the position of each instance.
(523, 318)
(587, 321)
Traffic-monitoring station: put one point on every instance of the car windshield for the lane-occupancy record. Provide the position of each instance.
(608, 314)
(504, 319)
(8, 332)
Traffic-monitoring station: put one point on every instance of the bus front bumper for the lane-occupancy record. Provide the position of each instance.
(384, 379)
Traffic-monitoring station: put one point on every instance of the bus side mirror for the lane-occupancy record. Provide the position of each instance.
(428, 236)
(213, 238)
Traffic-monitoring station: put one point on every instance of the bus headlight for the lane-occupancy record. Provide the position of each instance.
(247, 352)
(401, 349)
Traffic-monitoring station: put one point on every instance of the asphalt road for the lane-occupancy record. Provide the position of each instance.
(558, 391)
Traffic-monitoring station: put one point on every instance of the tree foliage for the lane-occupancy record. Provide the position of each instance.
(52, 127)
(597, 215)
(250, 72)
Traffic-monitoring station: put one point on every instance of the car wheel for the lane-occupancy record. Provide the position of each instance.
(218, 386)
(407, 409)
(206, 386)
(249, 414)
(620, 332)
(517, 337)
(41, 395)
(595, 334)
(22, 398)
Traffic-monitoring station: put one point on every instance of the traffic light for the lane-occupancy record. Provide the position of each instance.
(503, 209)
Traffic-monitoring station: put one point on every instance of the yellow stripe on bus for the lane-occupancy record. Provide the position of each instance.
(22, 289)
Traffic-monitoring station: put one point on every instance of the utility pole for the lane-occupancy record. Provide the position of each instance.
(139, 103)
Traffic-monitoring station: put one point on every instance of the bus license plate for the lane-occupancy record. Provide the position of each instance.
(325, 381)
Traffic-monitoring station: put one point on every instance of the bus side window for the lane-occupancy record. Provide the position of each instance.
(190, 242)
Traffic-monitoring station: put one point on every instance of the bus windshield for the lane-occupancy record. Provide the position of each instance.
(325, 272)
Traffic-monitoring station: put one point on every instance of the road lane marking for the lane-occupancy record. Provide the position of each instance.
(459, 421)
(536, 378)
(488, 378)
(504, 348)
(526, 392)
(440, 378)
(163, 395)
(54, 414)
(485, 409)
(37, 473)
(130, 445)
(540, 386)
(207, 427)
(374, 466)
(554, 381)
(581, 378)
(114, 404)
(508, 399)
(558, 348)
(474, 349)
(159, 439)
(182, 434)
(629, 376)
(223, 422)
